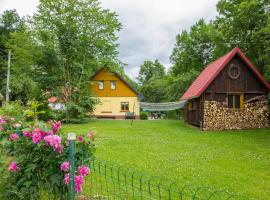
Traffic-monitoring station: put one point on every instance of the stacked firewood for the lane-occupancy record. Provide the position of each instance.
(218, 117)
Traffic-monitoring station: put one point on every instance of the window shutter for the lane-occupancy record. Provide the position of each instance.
(241, 101)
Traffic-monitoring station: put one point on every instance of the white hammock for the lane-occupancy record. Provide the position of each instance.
(162, 106)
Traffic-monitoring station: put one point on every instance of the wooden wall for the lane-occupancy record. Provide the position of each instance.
(247, 83)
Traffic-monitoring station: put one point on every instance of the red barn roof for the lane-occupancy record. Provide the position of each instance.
(213, 69)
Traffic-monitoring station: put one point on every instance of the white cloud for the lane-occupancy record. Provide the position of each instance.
(149, 26)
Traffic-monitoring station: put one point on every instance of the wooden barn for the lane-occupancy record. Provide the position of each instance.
(230, 93)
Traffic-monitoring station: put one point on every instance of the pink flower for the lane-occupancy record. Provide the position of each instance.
(80, 138)
(83, 170)
(81, 197)
(27, 134)
(64, 166)
(90, 134)
(55, 142)
(36, 137)
(3, 120)
(66, 179)
(13, 167)
(12, 119)
(1, 128)
(78, 183)
(42, 133)
(56, 126)
(13, 137)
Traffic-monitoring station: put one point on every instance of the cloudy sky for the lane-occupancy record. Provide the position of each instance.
(149, 26)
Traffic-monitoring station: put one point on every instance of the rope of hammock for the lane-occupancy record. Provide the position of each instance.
(162, 106)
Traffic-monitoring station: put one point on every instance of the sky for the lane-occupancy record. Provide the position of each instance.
(149, 26)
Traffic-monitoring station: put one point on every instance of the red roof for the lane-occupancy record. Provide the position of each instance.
(213, 69)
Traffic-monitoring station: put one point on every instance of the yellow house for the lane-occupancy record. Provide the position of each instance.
(117, 97)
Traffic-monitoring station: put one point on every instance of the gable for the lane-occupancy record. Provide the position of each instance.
(209, 74)
(236, 77)
(123, 89)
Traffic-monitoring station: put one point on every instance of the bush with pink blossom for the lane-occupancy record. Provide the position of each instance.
(39, 160)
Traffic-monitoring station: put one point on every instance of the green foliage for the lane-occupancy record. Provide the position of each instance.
(32, 112)
(197, 48)
(149, 70)
(152, 80)
(14, 109)
(40, 166)
(143, 115)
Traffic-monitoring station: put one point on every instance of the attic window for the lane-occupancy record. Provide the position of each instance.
(234, 71)
(101, 85)
(113, 85)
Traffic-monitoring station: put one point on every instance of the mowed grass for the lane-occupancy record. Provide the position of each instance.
(238, 161)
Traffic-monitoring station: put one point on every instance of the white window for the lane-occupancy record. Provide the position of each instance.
(113, 85)
(124, 106)
(101, 85)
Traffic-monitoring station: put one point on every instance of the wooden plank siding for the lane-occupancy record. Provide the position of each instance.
(247, 83)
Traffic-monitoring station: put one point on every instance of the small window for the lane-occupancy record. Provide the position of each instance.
(101, 85)
(113, 85)
(191, 105)
(235, 101)
(124, 106)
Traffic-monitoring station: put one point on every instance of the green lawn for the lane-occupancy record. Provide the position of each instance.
(235, 160)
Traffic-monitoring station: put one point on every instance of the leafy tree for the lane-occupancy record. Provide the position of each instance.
(154, 90)
(197, 48)
(10, 22)
(150, 69)
(246, 24)
(25, 54)
(152, 78)
(80, 37)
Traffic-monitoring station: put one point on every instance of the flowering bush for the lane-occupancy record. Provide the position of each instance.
(40, 155)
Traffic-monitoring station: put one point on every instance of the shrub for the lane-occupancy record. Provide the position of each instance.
(143, 115)
(40, 155)
(14, 109)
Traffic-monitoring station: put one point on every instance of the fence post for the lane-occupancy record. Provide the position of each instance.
(71, 138)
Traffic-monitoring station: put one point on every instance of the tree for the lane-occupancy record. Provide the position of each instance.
(80, 37)
(10, 22)
(197, 48)
(246, 24)
(150, 69)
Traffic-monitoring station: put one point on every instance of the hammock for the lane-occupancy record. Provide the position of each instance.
(162, 106)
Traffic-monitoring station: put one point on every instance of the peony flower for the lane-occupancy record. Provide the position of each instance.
(90, 134)
(78, 183)
(56, 126)
(55, 142)
(83, 170)
(42, 133)
(27, 134)
(80, 138)
(13, 137)
(36, 137)
(13, 167)
(64, 166)
(3, 120)
(66, 179)
(1, 128)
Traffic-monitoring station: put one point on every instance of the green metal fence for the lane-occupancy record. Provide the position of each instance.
(109, 181)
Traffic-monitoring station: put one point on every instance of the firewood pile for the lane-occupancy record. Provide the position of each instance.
(218, 117)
